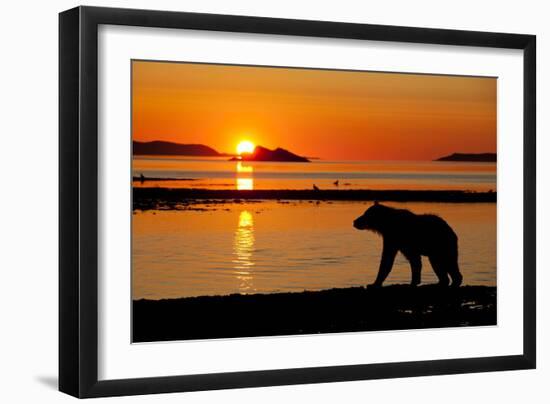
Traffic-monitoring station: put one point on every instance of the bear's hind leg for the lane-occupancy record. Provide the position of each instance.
(416, 269)
(438, 266)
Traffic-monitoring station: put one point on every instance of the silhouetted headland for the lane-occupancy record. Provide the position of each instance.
(470, 157)
(395, 307)
(162, 148)
(261, 153)
(166, 198)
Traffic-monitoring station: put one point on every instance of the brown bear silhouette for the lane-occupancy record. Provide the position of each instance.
(414, 235)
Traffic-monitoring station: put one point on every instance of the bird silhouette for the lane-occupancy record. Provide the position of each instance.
(315, 187)
(337, 182)
(141, 178)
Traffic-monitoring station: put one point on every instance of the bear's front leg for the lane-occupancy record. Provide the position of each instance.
(389, 251)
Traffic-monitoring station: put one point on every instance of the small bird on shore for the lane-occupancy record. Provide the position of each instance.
(337, 182)
(141, 178)
(315, 187)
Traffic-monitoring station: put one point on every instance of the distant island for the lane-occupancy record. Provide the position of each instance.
(475, 157)
(261, 153)
(159, 147)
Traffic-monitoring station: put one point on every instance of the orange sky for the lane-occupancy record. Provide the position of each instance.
(317, 113)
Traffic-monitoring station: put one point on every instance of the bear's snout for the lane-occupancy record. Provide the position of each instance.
(358, 223)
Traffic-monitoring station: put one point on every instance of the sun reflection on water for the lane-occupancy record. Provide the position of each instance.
(245, 184)
(243, 246)
(244, 177)
(244, 169)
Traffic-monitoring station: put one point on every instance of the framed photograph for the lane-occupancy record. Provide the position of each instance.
(250, 201)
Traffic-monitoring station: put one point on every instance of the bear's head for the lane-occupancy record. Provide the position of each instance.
(373, 218)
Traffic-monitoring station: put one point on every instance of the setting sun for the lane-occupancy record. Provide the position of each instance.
(245, 147)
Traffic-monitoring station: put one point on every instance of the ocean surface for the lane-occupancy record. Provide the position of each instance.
(287, 246)
(218, 173)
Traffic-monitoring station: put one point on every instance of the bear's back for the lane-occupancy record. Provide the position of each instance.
(423, 233)
(430, 234)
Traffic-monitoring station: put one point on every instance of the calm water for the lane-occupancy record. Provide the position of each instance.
(274, 246)
(218, 173)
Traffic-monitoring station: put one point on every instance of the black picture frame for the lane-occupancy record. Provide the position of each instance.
(78, 201)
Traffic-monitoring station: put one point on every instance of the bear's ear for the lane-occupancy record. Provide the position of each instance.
(376, 202)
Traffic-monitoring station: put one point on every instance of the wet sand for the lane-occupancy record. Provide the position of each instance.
(394, 307)
(168, 198)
